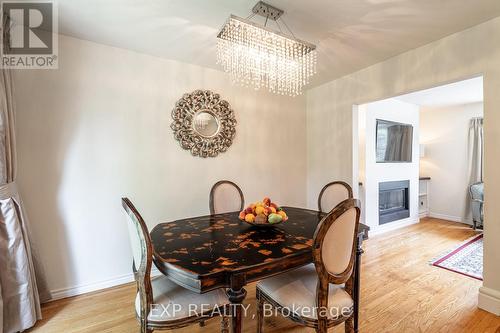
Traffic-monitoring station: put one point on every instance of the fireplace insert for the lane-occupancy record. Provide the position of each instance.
(393, 201)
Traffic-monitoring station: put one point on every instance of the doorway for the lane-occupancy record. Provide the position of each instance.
(444, 171)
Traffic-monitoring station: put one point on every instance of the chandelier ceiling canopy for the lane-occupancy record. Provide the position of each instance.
(257, 56)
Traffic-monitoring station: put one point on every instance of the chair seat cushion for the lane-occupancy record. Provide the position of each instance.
(173, 302)
(296, 291)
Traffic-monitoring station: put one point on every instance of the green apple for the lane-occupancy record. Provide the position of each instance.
(274, 218)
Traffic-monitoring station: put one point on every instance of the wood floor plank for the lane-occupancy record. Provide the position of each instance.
(400, 293)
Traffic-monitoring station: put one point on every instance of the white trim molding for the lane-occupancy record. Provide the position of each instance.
(449, 218)
(380, 229)
(89, 287)
(489, 300)
(99, 285)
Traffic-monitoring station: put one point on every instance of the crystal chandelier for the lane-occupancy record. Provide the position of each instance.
(257, 56)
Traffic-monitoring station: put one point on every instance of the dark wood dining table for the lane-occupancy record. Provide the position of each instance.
(220, 251)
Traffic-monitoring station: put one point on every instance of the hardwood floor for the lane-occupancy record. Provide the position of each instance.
(400, 293)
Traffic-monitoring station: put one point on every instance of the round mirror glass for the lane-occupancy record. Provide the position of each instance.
(205, 123)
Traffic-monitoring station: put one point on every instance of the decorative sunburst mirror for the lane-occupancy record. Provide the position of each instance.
(203, 123)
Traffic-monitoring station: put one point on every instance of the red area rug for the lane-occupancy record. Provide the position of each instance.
(466, 259)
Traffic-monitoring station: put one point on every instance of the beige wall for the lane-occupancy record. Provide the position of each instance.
(462, 55)
(444, 133)
(98, 129)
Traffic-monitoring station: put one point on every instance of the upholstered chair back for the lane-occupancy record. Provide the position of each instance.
(477, 196)
(335, 242)
(332, 194)
(226, 196)
(142, 255)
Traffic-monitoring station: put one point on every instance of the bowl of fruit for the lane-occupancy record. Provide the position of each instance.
(263, 214)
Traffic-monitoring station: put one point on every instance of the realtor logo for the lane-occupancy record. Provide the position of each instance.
(30, 40)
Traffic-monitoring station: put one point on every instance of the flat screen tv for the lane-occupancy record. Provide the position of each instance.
(394, 142)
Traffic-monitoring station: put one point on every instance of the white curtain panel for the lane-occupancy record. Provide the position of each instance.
(22, 283)
(475, 153)
(399, 143)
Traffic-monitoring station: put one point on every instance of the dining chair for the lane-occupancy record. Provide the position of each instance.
(225, 196)
(332, 194)
(160, 303)
(319, 295)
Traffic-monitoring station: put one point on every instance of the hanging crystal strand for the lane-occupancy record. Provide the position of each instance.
(257, 58)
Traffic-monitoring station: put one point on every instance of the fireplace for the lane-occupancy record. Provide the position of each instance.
(393, 201)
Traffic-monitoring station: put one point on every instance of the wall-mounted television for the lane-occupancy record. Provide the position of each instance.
(394, 142)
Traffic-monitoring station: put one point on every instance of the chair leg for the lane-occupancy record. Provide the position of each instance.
(349, 325)
(202, 323)
(144, 328)
(322, 326)
(260, 315)
(474, 224)
(224, 324)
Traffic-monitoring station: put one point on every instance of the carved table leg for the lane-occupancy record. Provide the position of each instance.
(236, 295)
(357, 271)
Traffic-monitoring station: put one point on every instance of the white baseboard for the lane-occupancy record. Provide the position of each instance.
(449, 218)
(90, 287)
(489, 300)
(380, 229)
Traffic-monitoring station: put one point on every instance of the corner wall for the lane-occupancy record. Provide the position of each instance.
(459, 56)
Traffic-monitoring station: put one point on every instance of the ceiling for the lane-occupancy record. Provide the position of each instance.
(457, 93)
(350, 34)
